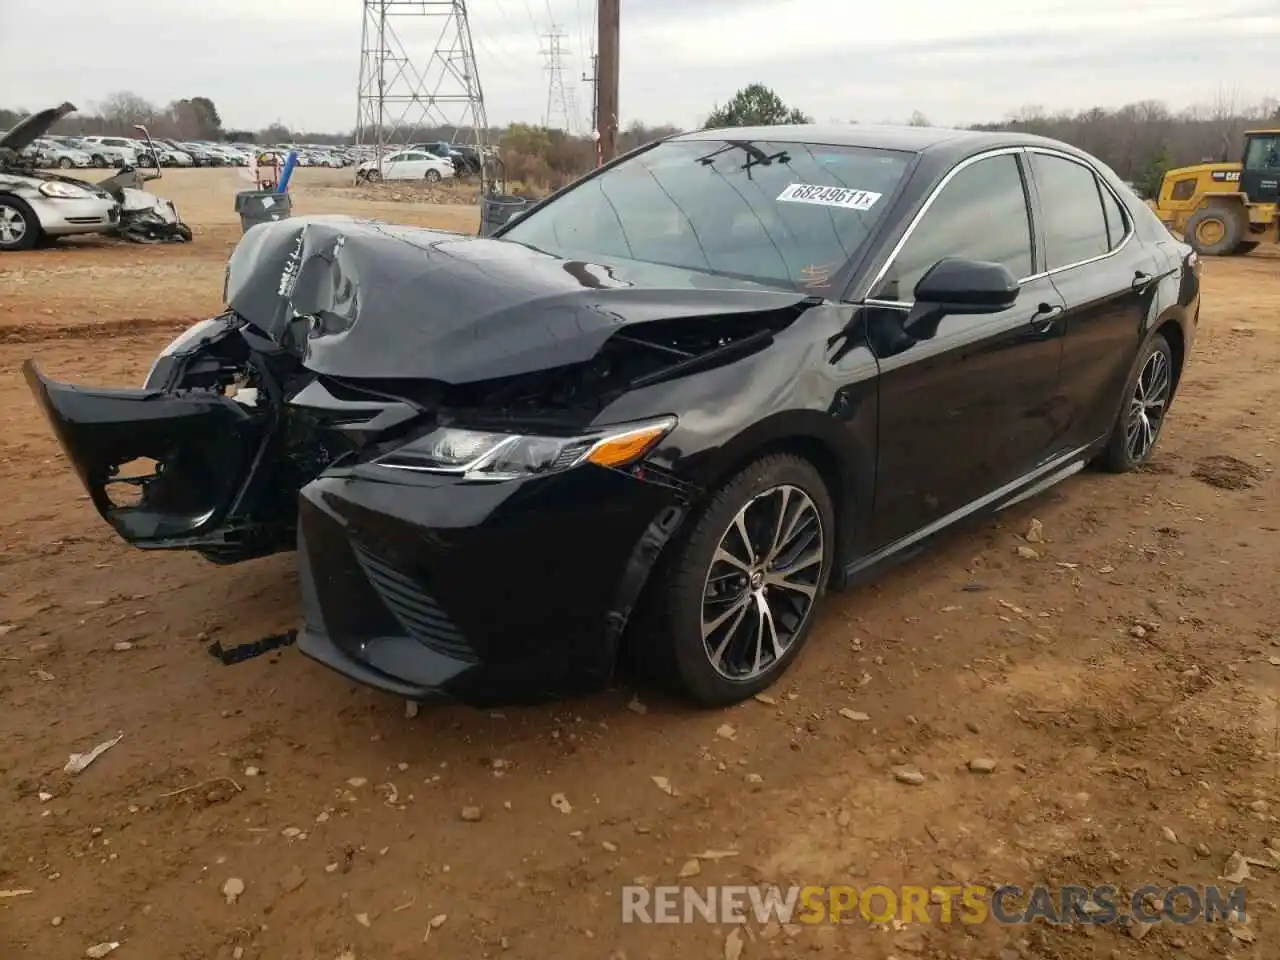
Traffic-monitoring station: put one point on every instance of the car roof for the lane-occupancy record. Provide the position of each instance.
(883, 137)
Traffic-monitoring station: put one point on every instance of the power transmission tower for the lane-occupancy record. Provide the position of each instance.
(418, 74)
(557, 98)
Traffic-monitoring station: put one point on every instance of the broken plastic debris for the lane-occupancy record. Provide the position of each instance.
(232, 889)
(100, 950)
(663, 784)
(561, 803)
(79, 761)
(6, 894)
(435, 923)
(715, 855)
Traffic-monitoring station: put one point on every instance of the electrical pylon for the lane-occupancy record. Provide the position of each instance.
(418, 75)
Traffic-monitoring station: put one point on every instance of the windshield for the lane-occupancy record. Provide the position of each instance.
(783, 214)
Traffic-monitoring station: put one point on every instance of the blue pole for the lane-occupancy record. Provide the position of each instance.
(290, 162)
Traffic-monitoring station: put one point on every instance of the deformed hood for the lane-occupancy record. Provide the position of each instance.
(33, 127)
(360, 298)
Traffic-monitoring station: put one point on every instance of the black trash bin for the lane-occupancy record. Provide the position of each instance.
(496, 209)
(262, 206)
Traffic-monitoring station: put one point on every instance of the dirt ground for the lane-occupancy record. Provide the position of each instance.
(1124, 681)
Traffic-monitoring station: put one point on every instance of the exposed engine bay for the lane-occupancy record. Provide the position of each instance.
(304, 423)
(345, 340)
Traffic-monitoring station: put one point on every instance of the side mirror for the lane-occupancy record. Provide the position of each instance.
(955, 285)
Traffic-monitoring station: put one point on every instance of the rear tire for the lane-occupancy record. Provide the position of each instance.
(65, 163)
(726, 625)
(1214, 231)
(433, 176)
(1143, 410)
(19, 228)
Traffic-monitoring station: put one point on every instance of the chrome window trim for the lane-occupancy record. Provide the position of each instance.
(970, 161)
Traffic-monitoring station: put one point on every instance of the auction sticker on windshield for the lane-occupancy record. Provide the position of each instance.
(845, 197)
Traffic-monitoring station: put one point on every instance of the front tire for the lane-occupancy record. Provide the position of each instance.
(1142, 414)
(19, 228)
(433, 176)
(736, 602)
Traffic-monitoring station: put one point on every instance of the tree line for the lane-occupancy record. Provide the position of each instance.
(1139, 140)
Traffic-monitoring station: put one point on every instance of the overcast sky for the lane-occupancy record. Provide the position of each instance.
(297, 61)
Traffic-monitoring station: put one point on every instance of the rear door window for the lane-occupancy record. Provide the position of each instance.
(1075, 223)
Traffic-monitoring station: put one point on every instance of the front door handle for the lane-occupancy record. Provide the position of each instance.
(1046, 313)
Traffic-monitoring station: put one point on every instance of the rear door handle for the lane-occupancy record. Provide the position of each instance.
(1143, 280)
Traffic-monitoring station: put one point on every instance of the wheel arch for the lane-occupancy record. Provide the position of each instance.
(1172, 331)
(846, 466)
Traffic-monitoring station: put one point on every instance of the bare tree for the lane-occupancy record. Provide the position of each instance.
(124, 108)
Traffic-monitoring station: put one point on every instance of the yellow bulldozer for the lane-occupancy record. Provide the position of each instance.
(1222, 209)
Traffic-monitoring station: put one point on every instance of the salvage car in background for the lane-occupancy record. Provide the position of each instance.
(406, 165)
(49, 152)
(670, 404)
(35, 205)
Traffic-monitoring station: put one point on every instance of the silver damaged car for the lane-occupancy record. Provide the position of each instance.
(37, 205)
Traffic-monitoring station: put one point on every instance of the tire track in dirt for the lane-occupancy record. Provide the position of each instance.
(93, 329)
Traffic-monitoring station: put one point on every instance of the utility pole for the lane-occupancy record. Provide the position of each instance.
(608, 15)
(592, 80)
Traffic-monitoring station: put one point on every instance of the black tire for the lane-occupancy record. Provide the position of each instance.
(1119, 455)
(13, 212)
(433, 176)
(1245, 246)
(99, 161)
(65, 163)
(1221, 221)
(674, 649)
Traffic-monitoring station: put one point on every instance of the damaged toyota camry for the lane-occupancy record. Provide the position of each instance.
(663, 411)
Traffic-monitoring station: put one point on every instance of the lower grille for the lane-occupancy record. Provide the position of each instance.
(416, 611)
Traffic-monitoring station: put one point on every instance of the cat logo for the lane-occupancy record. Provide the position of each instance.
(1226, 176)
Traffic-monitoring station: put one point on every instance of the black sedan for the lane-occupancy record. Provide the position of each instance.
(662, 411)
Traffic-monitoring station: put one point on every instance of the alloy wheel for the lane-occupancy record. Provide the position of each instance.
(13, 225)
(1147, 406)
(762, 583)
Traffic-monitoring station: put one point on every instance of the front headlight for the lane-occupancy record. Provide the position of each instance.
(482, 455)
(64, 191)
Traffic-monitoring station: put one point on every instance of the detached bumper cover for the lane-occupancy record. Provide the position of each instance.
(206, 442)
(487, 593)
